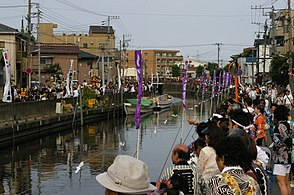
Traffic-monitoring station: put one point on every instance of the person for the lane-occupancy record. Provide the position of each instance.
(197, 147)
(259, 121)
(282, 138)
(233, 162)
(288, 99)
(180, 157)
(206, 161)
(126, 175)
(248, 106)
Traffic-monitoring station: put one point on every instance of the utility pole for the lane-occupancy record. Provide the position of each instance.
(39, 43)
(218, 51)
(272, 16)
(29, 58)
(108, 44)
(290, 42)
(264, 51)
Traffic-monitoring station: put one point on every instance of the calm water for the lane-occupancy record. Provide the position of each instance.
(48, 165)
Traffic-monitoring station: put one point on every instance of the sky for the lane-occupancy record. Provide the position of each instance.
(193, 27)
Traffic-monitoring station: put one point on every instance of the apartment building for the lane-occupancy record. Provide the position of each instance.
(155, 61)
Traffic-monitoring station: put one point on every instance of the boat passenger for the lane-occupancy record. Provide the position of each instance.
(126, 175)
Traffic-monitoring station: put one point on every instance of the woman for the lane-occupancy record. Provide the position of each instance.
(283, 135)
(233, 162)
(206, 161)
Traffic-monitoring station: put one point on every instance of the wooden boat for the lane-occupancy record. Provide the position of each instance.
(163, 101)
(147, 106)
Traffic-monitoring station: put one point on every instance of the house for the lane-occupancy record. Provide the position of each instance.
(52, 54)
(16, 44)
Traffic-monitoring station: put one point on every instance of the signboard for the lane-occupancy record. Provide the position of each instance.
(29, 70)
(234, 69)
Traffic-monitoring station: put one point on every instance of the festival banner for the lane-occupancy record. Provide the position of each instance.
(224, 79)
(7, 96)
(227, 79)
(184, 83)
(220, 81)
(69, 82)
(203, 83)
(214, 84)
(138, 62)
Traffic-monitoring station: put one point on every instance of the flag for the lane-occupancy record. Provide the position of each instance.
(203, 83)
(214, 84)
(220, 81)
(69, 91)
(7, 96)
(184, 83)
(227, 79)
(224, 79)
(138, 63)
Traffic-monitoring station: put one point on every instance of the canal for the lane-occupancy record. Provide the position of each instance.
(48, 165)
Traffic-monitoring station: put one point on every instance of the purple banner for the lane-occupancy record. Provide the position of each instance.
(203, 83)
(184, 85)
(220, 81)
(227, 79)
(214, 84)
(138, 62)
(224, 79)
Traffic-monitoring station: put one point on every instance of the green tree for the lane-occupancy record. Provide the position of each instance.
(175, 70)
(279, 70)
(199, 71)
(54, 70)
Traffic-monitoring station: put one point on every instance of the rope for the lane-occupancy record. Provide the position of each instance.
(169, 152)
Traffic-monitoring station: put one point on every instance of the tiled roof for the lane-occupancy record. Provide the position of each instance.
(6, 29)
(100, 30)
(57, 49)
(86, 55)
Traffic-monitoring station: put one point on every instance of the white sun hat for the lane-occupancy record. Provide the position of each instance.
(126, 175)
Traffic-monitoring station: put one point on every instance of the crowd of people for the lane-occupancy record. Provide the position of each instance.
(244, 146)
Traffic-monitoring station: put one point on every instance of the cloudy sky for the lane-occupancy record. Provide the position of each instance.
(191, 26)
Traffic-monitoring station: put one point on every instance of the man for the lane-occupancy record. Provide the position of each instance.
(127, 175)
(180, 157)
(288, 99)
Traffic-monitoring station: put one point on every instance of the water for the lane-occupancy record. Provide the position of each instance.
(48, 165)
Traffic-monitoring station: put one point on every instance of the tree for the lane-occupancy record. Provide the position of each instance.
(54, 70)
(175, 70)
(279, 70)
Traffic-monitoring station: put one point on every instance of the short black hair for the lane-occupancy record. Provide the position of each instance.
(199, 143)
(281, 113)
(248, 101)
(236, 155)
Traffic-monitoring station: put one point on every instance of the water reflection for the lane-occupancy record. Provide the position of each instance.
(49, 165)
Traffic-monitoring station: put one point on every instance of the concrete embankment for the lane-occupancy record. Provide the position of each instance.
(29, 120)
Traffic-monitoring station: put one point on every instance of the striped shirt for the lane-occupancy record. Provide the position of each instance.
(196, 183)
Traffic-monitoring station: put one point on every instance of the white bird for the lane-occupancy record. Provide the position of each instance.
(174, 115)
(78, 168)
(165, 122)
(155, 129)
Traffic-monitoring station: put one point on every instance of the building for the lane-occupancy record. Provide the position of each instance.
(99, 42)
(16, 44)
(52, 54)
(155, 62)
(279, 34)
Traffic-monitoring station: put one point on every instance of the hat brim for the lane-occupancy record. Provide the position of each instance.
(106, 182)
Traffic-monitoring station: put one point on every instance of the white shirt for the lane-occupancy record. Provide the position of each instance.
(262, 157)
(288, 99)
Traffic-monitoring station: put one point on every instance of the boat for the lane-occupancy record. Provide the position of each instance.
(147, 106)
(163, 101)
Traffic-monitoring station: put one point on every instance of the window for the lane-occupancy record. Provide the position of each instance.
(89, 63)
(2, 44)
(85, 45)
(46, 60)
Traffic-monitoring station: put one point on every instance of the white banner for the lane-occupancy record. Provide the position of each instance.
(69, 91)
(7, 96)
